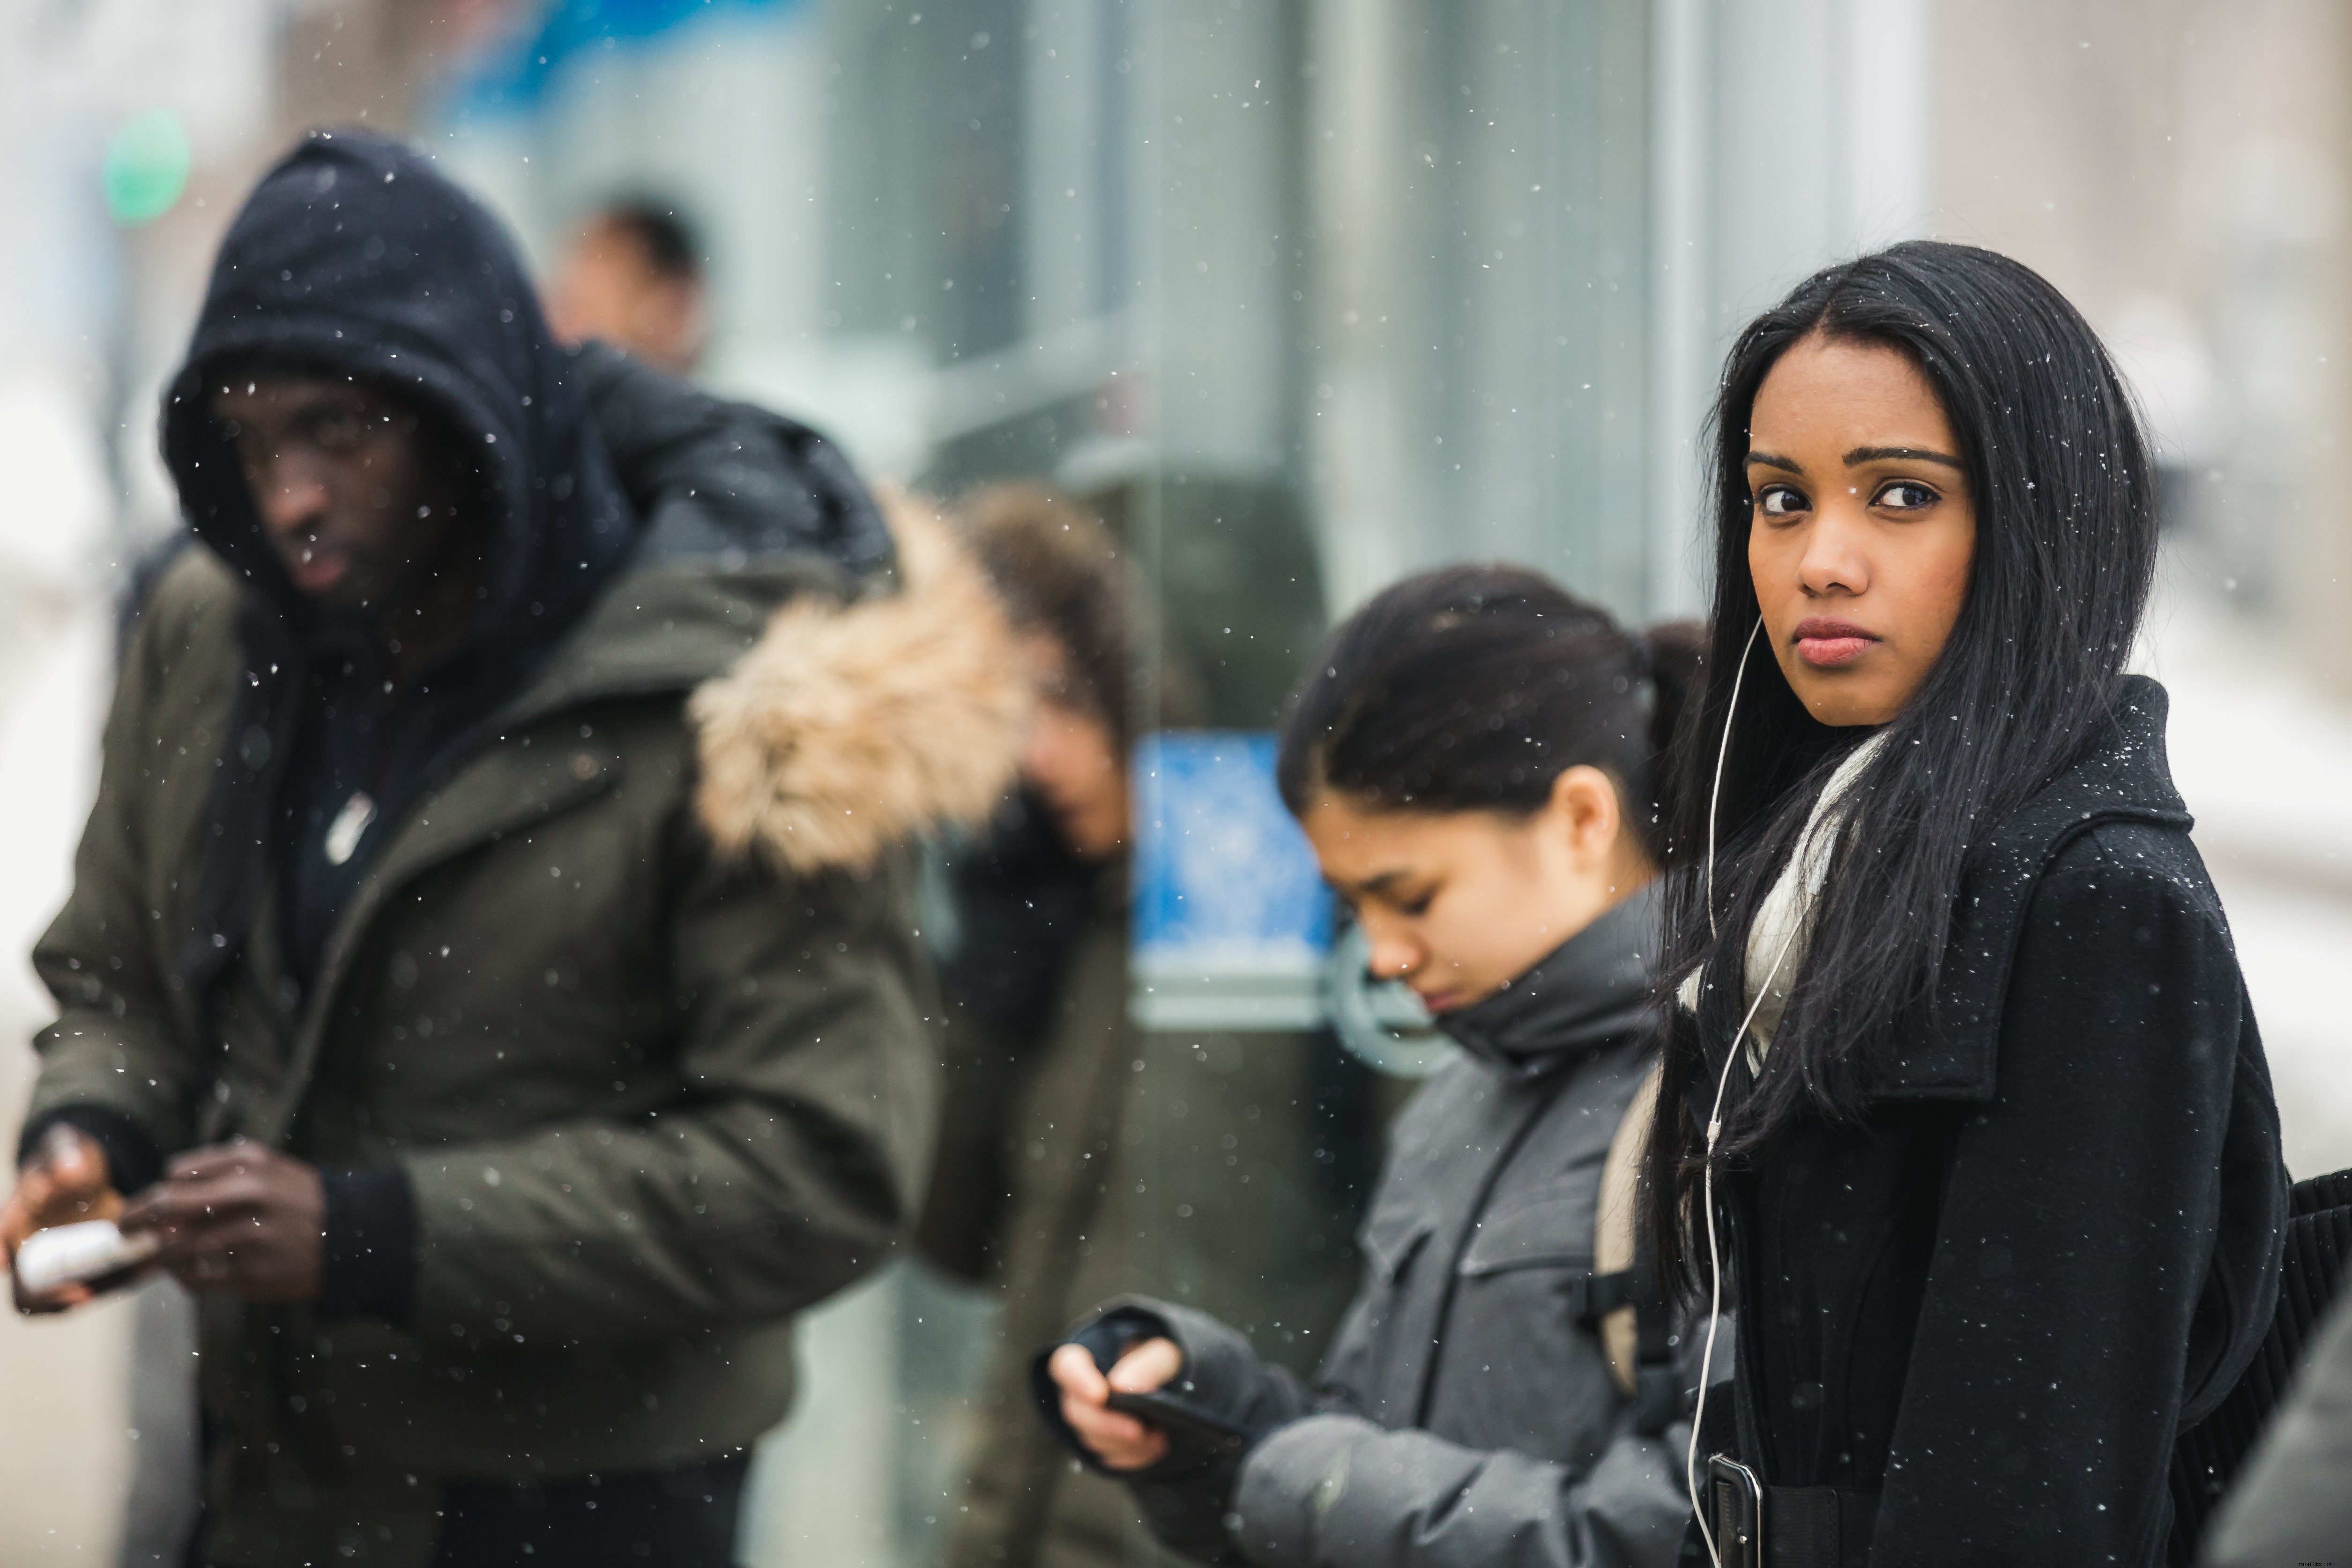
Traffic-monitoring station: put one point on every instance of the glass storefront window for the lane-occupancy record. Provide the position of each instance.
(1393, 313)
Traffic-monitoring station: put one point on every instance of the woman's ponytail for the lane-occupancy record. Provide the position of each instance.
(1677, 654)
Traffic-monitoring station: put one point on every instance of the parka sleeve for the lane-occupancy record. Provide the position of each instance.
(1187, 1498)
(1337, 1489)
(118, 1046)
(1322, 1487)
(2108, 1227)
(796, 1164)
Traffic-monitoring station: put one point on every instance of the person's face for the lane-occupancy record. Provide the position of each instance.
(358, 494)
(608, 287)
(1072, 760)
(1862, 529)
(1458, 903)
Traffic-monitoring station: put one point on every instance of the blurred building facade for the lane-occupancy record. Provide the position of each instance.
(2181, 168)
(1304, 293)
(1451, 279)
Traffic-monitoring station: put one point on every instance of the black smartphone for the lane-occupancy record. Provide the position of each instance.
(1196, 1426)
(1736, 1510)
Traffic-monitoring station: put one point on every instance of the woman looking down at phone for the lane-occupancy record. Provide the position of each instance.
(1474, 763)
(1965, 1107)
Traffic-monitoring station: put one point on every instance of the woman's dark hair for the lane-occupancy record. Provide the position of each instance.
(1474, 687)
(1058, 571)
(2064, 497)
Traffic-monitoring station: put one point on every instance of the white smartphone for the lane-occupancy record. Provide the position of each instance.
(71, 1254)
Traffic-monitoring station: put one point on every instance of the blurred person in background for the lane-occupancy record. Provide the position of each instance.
(491, 972)
(632, 277)
(1032, 1153)
(1476, 761)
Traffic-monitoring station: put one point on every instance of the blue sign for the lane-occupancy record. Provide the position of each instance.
(1232, 919)
(513, 78)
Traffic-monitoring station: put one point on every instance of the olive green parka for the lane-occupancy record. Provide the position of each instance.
(619, 1005)
(635, 999)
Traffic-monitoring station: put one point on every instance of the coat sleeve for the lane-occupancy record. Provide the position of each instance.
(119, 1045)
(2073, 1304)
(791, 1168)
(1334, 1488)
(1185, 1499)
(1323, 1487)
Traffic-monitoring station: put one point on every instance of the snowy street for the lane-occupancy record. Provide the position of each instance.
(2263, 760)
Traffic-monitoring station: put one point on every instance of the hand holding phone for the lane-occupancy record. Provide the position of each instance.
(1120, 1440)
(88, 1253)
(1179, 1418)
(66, 1183)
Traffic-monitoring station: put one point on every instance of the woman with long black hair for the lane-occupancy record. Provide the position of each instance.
(1972, 1120)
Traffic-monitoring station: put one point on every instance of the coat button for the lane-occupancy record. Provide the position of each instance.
(583, 767)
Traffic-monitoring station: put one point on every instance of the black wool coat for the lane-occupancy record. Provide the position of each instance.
(2054, 1239)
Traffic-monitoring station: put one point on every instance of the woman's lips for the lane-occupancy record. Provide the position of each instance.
(1825, 644)
(1438, 1001)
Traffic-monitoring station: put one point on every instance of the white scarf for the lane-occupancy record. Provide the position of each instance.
(1783, 928)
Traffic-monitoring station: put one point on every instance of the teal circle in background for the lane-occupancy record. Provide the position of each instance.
(146, 167)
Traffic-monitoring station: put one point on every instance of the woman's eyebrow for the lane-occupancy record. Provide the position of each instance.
(1862, 455)
(1774, 460)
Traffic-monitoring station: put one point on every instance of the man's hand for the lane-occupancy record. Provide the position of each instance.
(64, 1183)
(1120, 1441)
(240, 1218)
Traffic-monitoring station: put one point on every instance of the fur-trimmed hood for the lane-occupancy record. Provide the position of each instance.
(849, 726)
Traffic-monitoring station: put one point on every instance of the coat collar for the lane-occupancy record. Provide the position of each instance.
(1598, 986)
(829, 720)
(1948, 1052)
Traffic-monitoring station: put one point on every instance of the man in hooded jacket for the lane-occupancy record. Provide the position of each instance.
(491, 973)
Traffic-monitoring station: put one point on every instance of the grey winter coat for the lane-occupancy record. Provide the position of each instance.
(1463, 1414)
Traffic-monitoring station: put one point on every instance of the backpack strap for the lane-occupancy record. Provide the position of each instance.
(1655, 1385)
(1622, 1303)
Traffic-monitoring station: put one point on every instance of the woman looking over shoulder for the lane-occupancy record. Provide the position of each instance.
(1969, 1115)
(1474, 762)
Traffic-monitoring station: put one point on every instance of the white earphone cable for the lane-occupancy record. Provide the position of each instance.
(1715, 1114)
(1714, 1260)
(1715, 797)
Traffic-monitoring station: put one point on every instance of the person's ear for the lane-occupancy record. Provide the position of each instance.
(1583, 808)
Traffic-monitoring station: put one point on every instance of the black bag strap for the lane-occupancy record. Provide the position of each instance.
(1657, 1385)
(1604, 1293)
(2207, 1457)
(1817, 1527)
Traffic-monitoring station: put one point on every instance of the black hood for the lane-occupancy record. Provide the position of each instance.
(354, 256)
(1597, 987)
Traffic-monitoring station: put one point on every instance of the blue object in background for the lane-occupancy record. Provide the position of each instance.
(514, 77)
(1232, 918)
